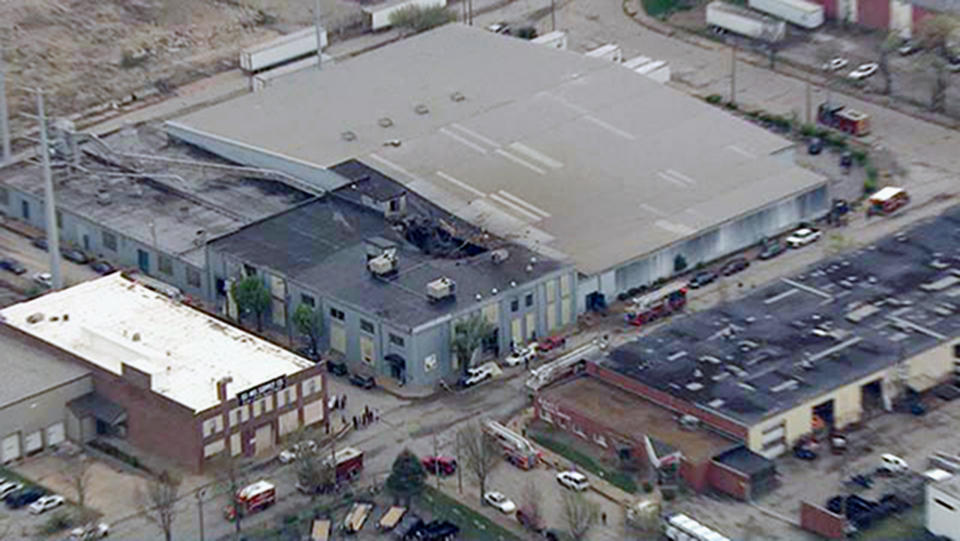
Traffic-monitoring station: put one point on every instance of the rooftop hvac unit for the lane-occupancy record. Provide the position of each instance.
(440, 289)
(499, 255)
(384, 263)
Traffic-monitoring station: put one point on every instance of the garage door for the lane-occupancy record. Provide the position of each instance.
(11, 448)
(55, 434)
(33, 442)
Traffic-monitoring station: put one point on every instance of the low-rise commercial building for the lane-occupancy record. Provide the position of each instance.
(943, 508)
(167, 379)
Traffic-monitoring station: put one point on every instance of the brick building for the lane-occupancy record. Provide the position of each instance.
(902, 15)
(167, 379)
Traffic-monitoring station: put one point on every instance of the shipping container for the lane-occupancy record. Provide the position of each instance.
(727, 17)
(799, 12)
(281, 50)
(610, 51)
(378, 16)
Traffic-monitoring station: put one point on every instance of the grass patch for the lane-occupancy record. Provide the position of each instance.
(620, 479)
(660, 8)
(472, 524)
(906, 526)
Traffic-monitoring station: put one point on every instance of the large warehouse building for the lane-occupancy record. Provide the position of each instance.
(574, 157)
(167, 379)
(823, 349)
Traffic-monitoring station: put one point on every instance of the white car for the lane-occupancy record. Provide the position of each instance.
(90, 531)
(863, 71)
(836, 64)
(803, 237)
(475, 376)
(289, 455)
(9, 487)
(573, 480)
(46, 503)
(521, 355)
(501, 502)
(43, 278)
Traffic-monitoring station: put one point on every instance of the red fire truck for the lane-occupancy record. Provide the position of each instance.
(349, 463)
(250, 499)
(844, 119)
(646, 311)
(517, 449)
(887, 200)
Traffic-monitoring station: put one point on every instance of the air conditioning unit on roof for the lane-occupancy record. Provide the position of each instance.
(440, 289)
(383, 264)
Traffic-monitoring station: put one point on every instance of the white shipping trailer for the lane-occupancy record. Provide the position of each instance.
(799, 12)
(266, 78)
(378, 16)
(730, 18)
(556, 39)
(282, 49)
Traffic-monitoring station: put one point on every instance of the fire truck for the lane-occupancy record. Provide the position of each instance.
(843, 118)
(349, 462)
(887, 200)
(250, 499)
(651, 308)
(518, 450)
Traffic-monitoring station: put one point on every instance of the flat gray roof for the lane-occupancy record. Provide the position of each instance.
(571, 156)
(29, 370)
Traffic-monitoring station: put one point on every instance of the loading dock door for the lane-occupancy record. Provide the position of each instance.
(33, 442)
(10, 450)
(55, 434)
(263, 439)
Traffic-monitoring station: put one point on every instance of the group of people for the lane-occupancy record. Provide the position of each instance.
(367, 417)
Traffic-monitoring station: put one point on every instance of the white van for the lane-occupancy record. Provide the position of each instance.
(893, 463)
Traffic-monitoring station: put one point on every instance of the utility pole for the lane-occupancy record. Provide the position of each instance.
(470, 12)
(53, 234)
(200, 494)
(4, 119)
(436, 461)
(316, 22)
(553, 15)
(809, 100)
(733, 71)
(459, 467)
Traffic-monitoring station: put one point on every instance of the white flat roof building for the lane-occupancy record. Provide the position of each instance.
(112, 321)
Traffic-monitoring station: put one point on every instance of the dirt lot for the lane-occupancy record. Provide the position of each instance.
(89, 52)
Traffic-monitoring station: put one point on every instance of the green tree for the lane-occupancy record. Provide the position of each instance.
(406, 480)
(251, 296)
(886, 47)
(308, 323)
(419, 19)
(468, 335)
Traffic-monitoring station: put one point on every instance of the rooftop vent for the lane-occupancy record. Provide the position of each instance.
(689, 421)
(478, 297)
(513, 283)
(384, 264)
(103, 197)
(421, 109)
(440, 289)
(385, 122)
(494, 291)
(348, 136)
(457, 96)
(694, 386)
(200, 238)
(499, 255)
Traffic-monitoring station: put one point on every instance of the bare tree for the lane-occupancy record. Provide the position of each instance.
(935, 35)
(159, 500)
(824, 55)
(77, 473)
(230, 476)
(480, 452)
(886, 47)
(530, 498)
(314, 473)
(579, 513)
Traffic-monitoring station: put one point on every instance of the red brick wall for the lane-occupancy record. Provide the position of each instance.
(729, 481)
(919, 14)
(820, 521)
(727, 426)
(830, 9)
(696, 475)
(874, 13)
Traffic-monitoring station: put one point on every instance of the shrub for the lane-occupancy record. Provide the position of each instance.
(732, 105)
(647, 487)
(859, 156)
(679, 263)
(808, 130)
(869, 186)
(836, 140)
(669, 493)
(61, 520)
(418, 19)
(714, 98)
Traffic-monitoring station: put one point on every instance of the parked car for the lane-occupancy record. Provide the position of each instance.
(815, 146)
(846, 159)
(893, 464)
(551, 343)
(45, 504)
(523, 354)
(308, 352)
(802, 237)
(909, 47)
(438, 530)
(500, 501)
(337, 368)
(12, 265)
(835, 64)
(78, 257)
(44, 279)
(289, 455)
(804, 454)
(476, 375)
(734, 266)
(102, 267)
(21, 498)
(9, 487)
(442, 465)
(771, 250)
(499, 28)
(863, 71)
(40, 242)
(701, 279)
(90, 531)
(363, 381)
(573, 480)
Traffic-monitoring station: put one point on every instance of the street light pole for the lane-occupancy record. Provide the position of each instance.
(199, 495)
(53, 233)
(4, 119)
(459, 467)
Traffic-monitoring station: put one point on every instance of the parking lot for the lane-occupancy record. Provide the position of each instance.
(16, 246)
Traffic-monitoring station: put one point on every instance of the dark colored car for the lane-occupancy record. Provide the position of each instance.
(308, 352)
(551, 343)
(76, 256)
(846, 159)
(442, 465)
(438, 530)
(815, 146)
(409, 525)
(337, 368)
(702, 278)
(734, 266)
(771, 251)
(365, 382)
(12, 265)
(804, 454)
(835, 505)
(40, 242)
(24, 497)
(102, 267)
